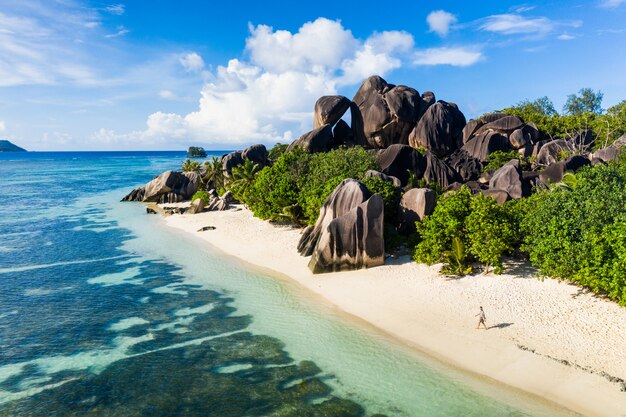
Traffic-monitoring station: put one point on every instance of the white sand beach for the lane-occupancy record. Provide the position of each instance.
(547, 338)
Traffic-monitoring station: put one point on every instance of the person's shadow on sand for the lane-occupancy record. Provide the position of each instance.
(500, 325)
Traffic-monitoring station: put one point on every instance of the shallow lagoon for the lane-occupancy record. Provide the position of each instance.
(106, 312)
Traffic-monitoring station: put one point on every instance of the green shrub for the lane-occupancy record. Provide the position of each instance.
(464, 227)
(275, 188)
(497, 159)
(576, 232)
(297, 184)
(202, 195)
(191, 166)
(389, 193)
(438, 230)
(276, 151)
(325, 172)
(490, 231)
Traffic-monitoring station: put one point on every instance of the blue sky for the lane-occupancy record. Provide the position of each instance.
(94, 75)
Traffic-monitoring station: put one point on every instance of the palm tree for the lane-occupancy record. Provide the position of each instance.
(242, 178)
(214, 176)
(191, 166)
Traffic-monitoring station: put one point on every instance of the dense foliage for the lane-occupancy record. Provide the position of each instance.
(578, 232)
(581, 112)
(202, 195)
(190, 166)
(196, 152)
(463, 228)
(497, 160)
(296, 185)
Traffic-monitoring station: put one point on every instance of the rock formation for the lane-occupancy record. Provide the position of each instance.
(329, 109)
(317, 140)
(509, 179)
(353, 240)
(440, 129)
(346, 196)
(398, 160)
(386, 113)
(415, 204)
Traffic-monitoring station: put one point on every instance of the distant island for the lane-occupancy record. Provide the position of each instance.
(6, 146)
(196, 152)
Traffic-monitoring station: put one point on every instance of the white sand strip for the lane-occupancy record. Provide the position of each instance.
(435, 314)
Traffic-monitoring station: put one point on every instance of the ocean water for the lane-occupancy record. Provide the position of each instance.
(103, 312)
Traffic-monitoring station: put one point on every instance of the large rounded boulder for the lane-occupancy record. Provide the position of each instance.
(386, 113)
(415, 204)
(509, 178)
(346, 196)
(398, 160)
(353, 240)
(171, 187)
(481, 146)
(440, 129)
(329, 109)
(317, 140)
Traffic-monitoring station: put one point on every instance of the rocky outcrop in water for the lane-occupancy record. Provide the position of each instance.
(171, 187)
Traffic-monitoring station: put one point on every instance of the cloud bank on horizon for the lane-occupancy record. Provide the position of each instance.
(96, 84)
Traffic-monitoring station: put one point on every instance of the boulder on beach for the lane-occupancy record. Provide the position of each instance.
(171, 187)
(346, 196)
(415, 204)
(197, 206)
(135, 195)
(353, 240)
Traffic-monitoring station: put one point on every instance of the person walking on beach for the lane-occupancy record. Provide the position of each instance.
(483, 319)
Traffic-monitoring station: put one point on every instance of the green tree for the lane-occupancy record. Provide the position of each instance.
(214, 175)
(389, 193)
(490, 231)
(438, 230)
(242, 178)
(276, 151)
(191, 166)
(587, 101)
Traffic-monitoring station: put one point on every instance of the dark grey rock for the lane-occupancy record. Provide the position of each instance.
(353, 240)
(329, 109)
(171, 187)
(230, 161)
(398, 160)
(348, 195)
(205, 228)
(197, 206)
(500, 196)
(387, 113)
(551, 152)
(135, 195)
(343, 135)
(395, 181)
(466, 166)
(509, 178)
(317, 140)
(437, 171)
(256, 154)
(518, 139)
(415, 204)
(553, 174)
(470, 129)
(481, 146)
(505, 124)
(440, 129)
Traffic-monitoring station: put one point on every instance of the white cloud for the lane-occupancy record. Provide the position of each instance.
(458, 57)
(116, 9)
(612, 4)
(3, 126)
(192, 62)
(269, 95)
(566, 37)
(440, 21)
(511, 24)
(121, 31)
(167, 95)
(380, 54)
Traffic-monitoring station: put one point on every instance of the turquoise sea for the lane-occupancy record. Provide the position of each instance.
(103, 312)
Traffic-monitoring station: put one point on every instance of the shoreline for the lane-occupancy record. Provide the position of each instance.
(547, 338)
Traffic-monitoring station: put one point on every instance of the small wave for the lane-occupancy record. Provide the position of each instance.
(41, 266)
